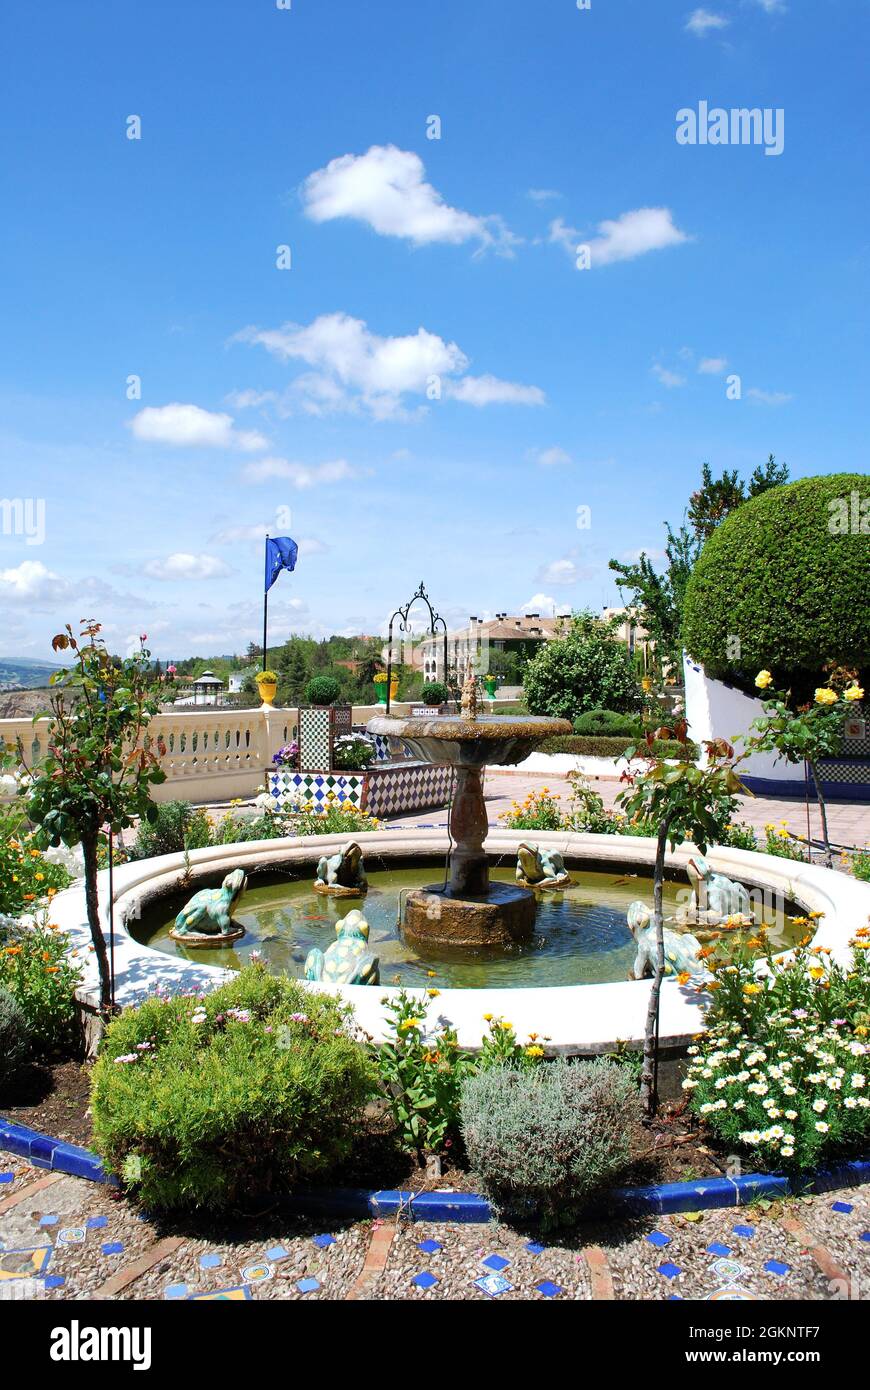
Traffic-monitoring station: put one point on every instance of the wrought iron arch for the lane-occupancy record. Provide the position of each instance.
(436, 625)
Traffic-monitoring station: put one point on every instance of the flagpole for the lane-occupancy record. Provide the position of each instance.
(265, 608)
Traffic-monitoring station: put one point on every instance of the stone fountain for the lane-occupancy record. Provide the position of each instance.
(469, 911)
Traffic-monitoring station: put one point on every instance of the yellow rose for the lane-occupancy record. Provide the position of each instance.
(854, 692)
(825, 696)
(763, 680)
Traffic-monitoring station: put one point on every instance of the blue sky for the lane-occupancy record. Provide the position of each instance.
(418, 266)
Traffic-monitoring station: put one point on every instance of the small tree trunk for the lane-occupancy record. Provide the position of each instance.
(649, 1073)
(823, 812)
(89, 851)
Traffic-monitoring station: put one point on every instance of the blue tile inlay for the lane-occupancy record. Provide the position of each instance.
(717, 1248)
(96, 1223)
(53, 1281)
(428, 1246)
(548, 1288)
(113, 1247)
(175, 1291)
(670, 1270)
(496, 1263)
(308, 1285)
(842, 1206)
(323, 1242)
(276, 1252)
(210, 1261)
(7, 1177)
(658, 1238)
(747, 1232)
(493, 1284)
(424, 1280)
(534, 1248)
(777, 1267)
(865, 1235)
(48, 1220)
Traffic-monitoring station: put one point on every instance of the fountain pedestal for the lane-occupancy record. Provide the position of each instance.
(470, 912)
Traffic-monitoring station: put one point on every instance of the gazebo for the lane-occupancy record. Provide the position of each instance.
(207, 689)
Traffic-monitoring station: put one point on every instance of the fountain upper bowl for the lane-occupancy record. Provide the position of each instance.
(499, 739)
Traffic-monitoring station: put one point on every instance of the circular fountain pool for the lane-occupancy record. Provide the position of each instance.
(580, 935)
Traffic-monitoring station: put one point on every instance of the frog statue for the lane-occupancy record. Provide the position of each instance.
(342, 875)
(715, 898)
(541, 868)
(207, 918)
(347, 961)
(682, 950)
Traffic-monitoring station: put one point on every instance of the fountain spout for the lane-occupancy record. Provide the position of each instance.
(469, 698)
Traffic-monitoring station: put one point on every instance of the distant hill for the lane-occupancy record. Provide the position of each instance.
(22, 673)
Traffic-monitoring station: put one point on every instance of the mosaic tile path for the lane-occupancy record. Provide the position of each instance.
(816, 1248)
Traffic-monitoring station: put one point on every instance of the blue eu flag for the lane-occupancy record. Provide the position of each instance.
(281, 554)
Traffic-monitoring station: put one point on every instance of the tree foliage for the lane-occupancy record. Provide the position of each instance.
(588, 668)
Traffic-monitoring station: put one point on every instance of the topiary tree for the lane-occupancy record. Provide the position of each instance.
(322, 690)
(783, 584)
(435, 693)
(588, 668)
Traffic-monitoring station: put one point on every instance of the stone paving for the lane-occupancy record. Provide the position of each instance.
(848, 821)
(65, 1238)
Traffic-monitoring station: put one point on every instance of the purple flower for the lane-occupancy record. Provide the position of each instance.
(799, 1013)
(299, 1018)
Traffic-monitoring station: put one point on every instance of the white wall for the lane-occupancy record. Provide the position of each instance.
(717, 710)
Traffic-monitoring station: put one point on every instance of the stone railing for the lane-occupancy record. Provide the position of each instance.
(212, 755)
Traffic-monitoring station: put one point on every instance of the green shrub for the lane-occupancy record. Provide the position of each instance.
(782, 577)
(322, 690)
(205, 1102)
(861, 865)
(26, 876)
(434, 693)
(36, 969)
(605, 746)
(588, 668)
(352, 752)
(544, 1141)
(610, 723)
(782, 1070)
(14, 1036)
(175, 828)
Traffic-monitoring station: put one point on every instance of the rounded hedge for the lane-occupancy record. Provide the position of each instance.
(435, 693)
(584, 670)
(322, 690)
(787, 574)
(208, 1102)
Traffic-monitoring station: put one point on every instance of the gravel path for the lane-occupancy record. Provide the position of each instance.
(78, 1226)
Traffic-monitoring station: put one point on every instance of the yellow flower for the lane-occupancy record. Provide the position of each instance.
(825, 696)
(683, 977)
(816, 972)
(763, 680)
(853, 693)
(534, 1052)
(752, 989)
(487, 1018)
(433, 993)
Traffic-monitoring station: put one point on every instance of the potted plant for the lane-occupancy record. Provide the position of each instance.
(380, 681)
(267, 687)
(394, 687)
(352, 752)
(491, 686)
(322, 690)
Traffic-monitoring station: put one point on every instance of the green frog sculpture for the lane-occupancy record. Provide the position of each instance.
(207, 920)
(715, 898)
(541, 868)
(348, 961)
(342, 875)
(682, 950)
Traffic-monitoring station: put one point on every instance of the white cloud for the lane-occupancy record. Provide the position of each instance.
(542, 195)
(559, 572)
(712, 366)
(189, 426)
(386, 188)
(183, 565)
(544, 604)
(702, 22)
(250, 398)
(666, 377)
(30, 582)
(299, 474)
(353, 368)
(772, 6)
(769, 397)
(548, 458)
(624, 238)
(490, 390)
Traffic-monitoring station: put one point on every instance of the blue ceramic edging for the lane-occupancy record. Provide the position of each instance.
(466, 1207)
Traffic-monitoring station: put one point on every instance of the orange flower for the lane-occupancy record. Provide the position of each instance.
(52, 969)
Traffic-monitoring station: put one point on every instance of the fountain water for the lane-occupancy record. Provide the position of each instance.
(469, 911)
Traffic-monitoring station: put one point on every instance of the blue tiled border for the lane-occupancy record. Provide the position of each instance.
(466, 1207)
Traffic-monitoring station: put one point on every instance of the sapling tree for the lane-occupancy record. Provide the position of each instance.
(100, 765)
(806, 734)
(681, 799)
